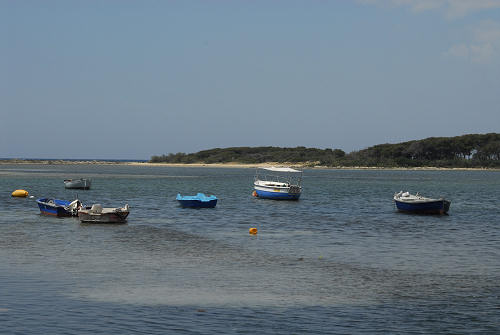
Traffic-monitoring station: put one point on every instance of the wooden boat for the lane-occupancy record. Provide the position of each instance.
(98, 214)
(406, 202)
(278, 183)
(81, 183)
(58, 207)
(199, 200)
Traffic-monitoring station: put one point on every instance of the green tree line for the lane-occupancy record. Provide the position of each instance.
(474, 150)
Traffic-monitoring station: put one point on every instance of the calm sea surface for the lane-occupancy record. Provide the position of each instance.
(341, 260)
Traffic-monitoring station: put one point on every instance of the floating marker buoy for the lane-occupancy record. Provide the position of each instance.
(20, 193)
(252, 231)
(254, 193)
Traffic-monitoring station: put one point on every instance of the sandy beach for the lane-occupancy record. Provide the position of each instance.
(308, 165)
(134, 163)
(303, 166)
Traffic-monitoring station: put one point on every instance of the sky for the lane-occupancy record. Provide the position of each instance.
(123, 79)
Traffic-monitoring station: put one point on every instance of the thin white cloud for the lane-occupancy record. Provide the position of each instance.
(461, 51)
(483, 47)
(459, 8)
(451, 8)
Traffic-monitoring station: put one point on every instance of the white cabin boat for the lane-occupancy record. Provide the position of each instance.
(279, 183)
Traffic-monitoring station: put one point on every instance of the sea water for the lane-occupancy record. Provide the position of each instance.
(341, 260)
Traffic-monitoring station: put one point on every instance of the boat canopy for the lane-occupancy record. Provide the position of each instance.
(278, 169)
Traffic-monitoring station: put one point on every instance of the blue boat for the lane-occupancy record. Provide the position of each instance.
(57, 207)
(278, 183)
(199, 200)
(406, 202)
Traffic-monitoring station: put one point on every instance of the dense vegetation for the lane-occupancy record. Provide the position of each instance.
(475, 150)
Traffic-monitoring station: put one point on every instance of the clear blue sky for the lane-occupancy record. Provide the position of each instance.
(131, 79)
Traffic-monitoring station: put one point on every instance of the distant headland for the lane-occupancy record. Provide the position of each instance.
(466, 151)
(473, 151)
(56, 161)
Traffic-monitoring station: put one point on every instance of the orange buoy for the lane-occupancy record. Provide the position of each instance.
(252, 231)
(20, 193)
(254, 193)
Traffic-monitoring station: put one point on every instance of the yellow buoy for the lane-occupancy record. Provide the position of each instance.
(252, 231)
(20, 193)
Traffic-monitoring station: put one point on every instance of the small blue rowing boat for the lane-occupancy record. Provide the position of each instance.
(57, 207)
(199, 200)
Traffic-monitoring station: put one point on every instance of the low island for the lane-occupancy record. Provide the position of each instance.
(473, 151)
(466, 151)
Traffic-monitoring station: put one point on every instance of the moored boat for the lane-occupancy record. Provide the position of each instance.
(58, 207)
(415, 203)
(199, 200)
(81, 183)
(278, 183)
(97, 214)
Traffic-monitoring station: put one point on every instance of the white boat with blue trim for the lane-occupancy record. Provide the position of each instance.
(279, 183)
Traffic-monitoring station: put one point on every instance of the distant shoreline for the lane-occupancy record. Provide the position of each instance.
(228, 165)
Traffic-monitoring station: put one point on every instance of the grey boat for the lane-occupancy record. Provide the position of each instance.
(98, 214)
(81, 183)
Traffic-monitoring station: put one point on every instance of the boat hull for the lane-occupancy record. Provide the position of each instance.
(117, 217)
(54, 208)
(431, 207)
(277, 183)
(82, 184)
(198, 201)
(276, 195)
